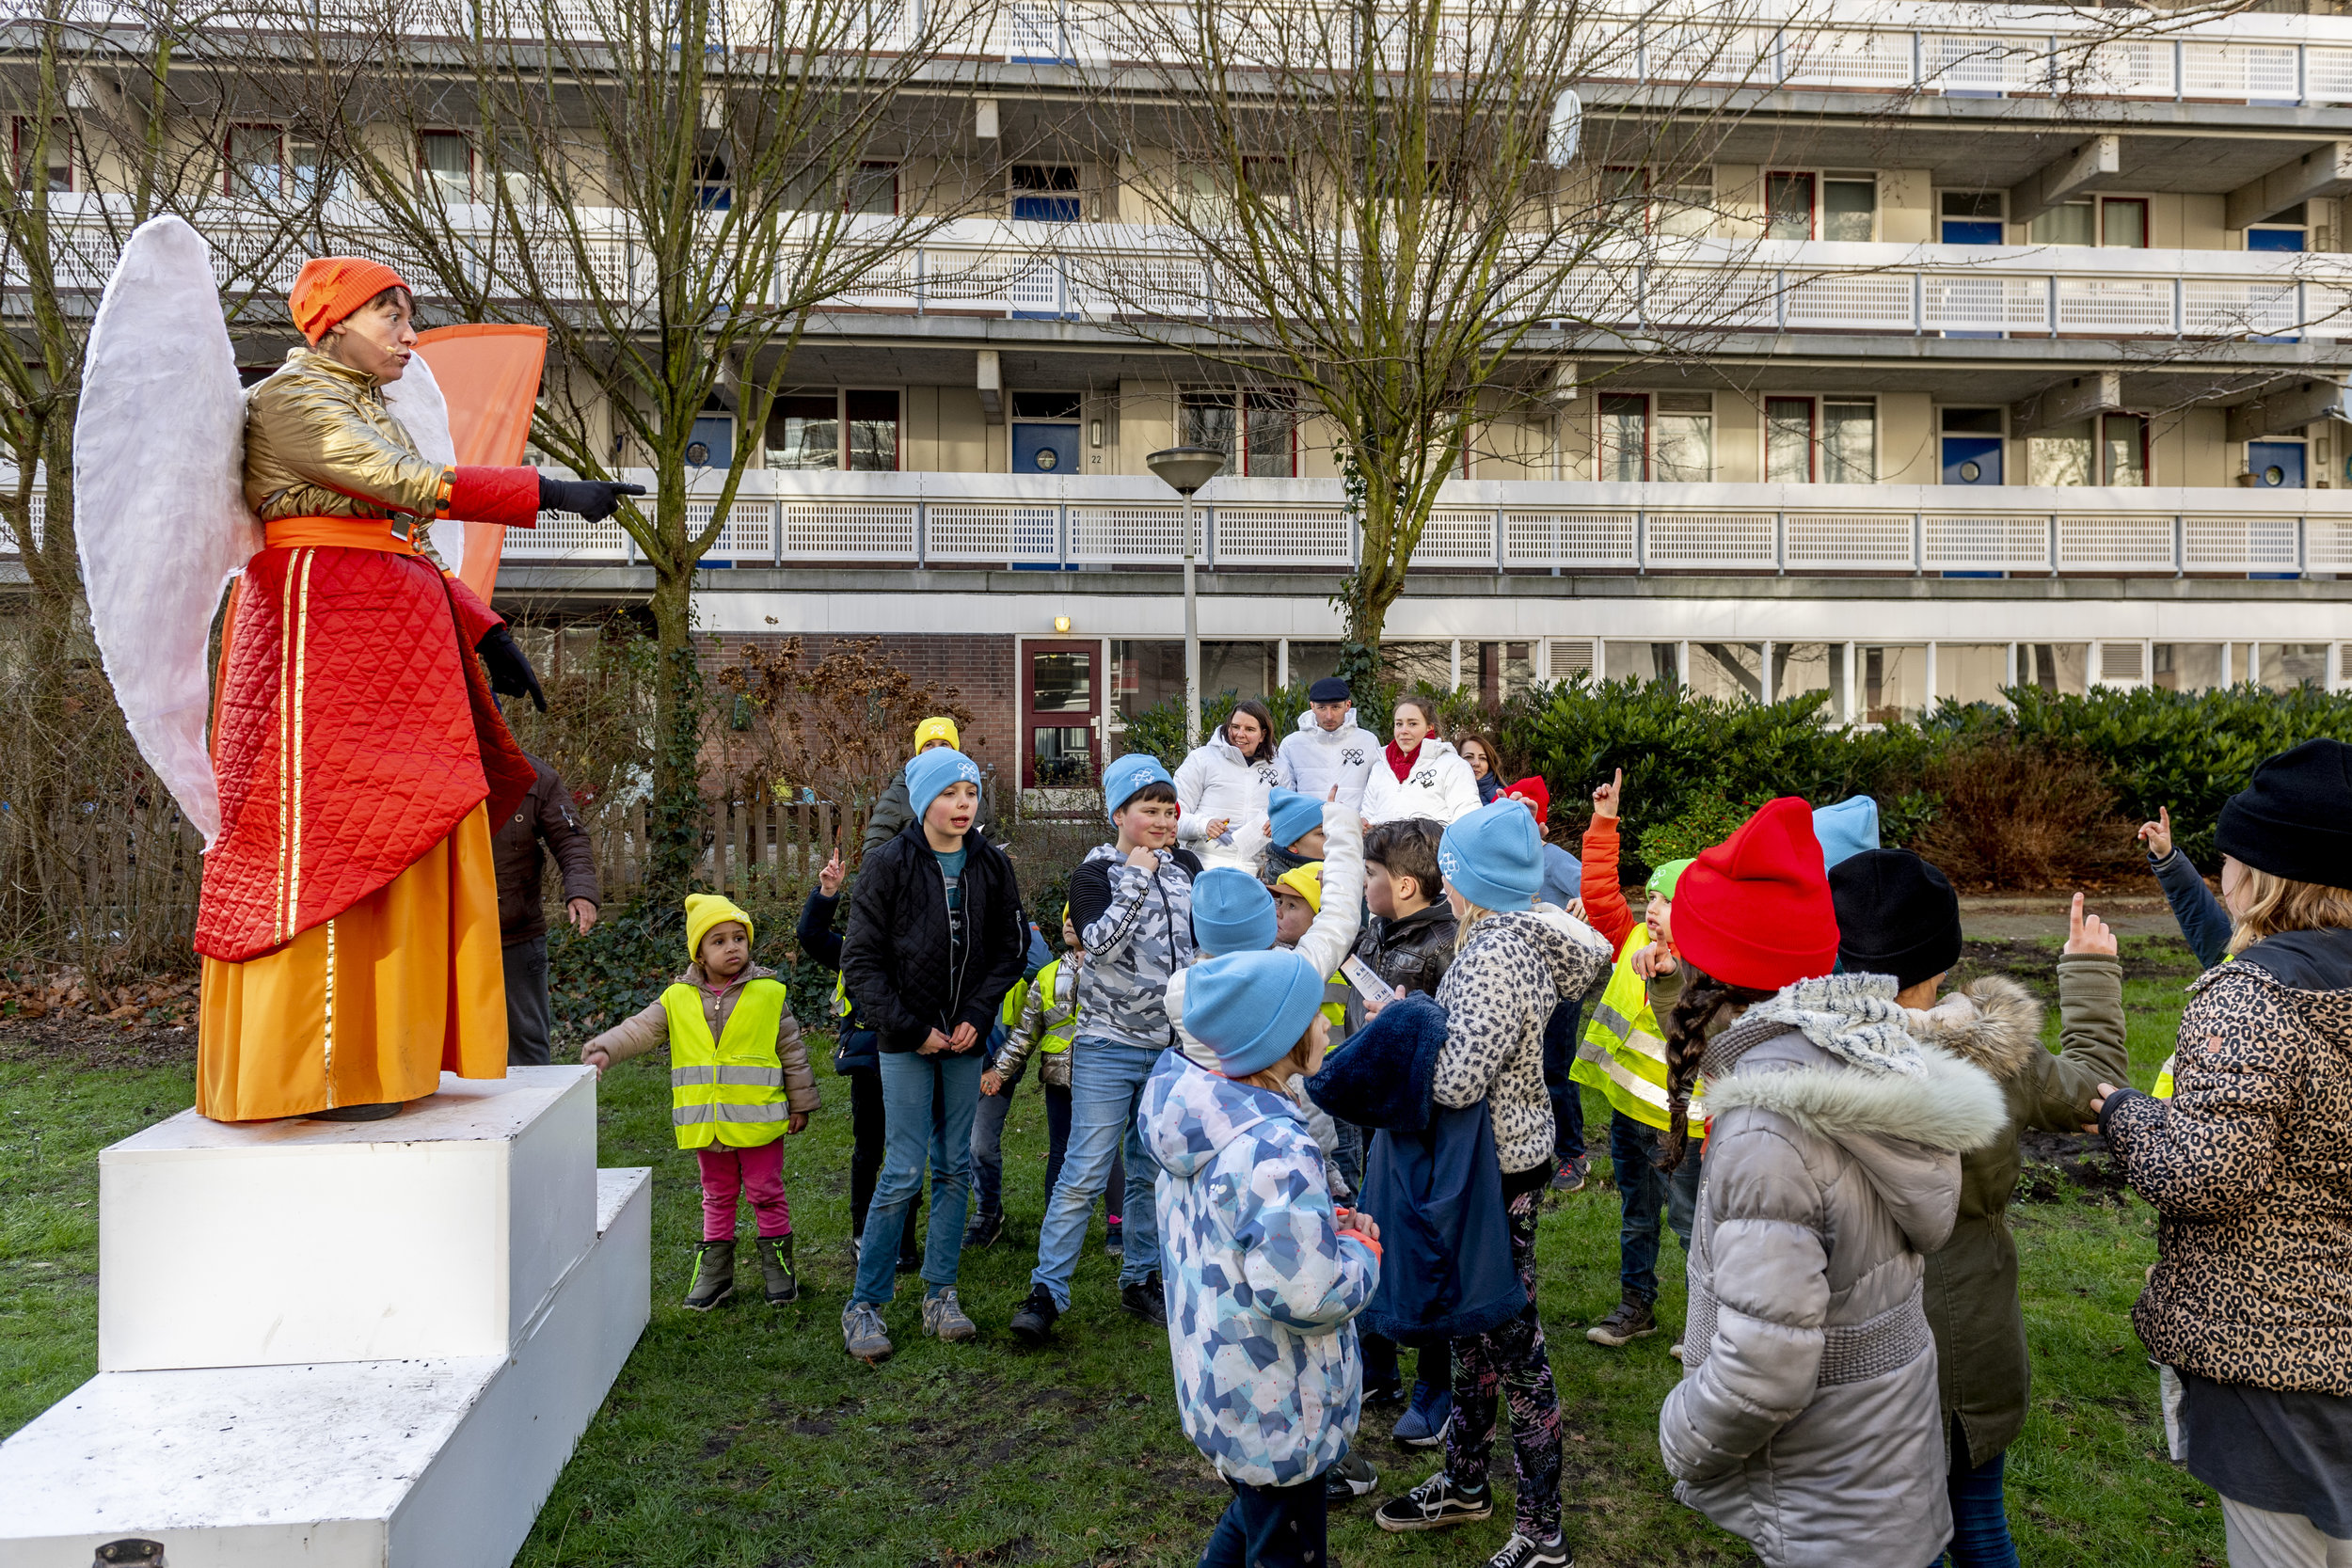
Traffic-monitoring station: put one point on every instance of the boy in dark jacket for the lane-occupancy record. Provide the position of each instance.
(935, 940)
(1410, 938)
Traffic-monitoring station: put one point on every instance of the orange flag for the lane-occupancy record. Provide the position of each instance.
(490, 373)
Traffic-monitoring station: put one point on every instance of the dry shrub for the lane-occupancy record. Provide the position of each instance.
(2016, 816)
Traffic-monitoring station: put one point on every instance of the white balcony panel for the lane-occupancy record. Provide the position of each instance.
(2238, 545)
(562, 536)
(1283, 536)
(2239, 71)
(2114, 542)
(2126, 68)
(1712, 297)
(1848, 58)
(2116, 306)
(1111, 283)
(1847, 542)
(2327, 544)
(1130, 536)
(1984, 302)
(1978, 542)
(2224, 307)
(1852, 301)
(1729, 540)
(1598, 293)
(1027, 534)
(1454, 537)
(1982, 62)
(2327, 73)
(1569, 539)
(846, 531)
(749, 532)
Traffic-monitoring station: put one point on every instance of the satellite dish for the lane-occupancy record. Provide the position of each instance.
(1567, 129)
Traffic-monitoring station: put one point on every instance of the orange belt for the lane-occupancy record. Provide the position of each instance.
(351, 533)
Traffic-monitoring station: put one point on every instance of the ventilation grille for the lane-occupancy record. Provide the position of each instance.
(2122, 662)
(2343, 661)
(1573, 657)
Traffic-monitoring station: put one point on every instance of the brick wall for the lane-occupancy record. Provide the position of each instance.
(982, 671)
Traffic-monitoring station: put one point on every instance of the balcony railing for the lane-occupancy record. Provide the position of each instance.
(1002, 521)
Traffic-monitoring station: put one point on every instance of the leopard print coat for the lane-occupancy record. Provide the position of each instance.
(2248, 1168)
(1509, 973)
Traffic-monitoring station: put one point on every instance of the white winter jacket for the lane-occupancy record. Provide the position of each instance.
(1214, 782)
(1439, 786)
(1315, 758)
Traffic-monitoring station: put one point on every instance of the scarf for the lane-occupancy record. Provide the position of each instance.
(1852, 1017)
(1401, 763)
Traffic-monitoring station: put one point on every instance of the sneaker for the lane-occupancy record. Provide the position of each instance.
(863, 1335)
(944, 1317)
(1674, 1349)
(1631, 1319)
(1350, 1479)
(775, 1267)
(1116, 1242)
(1434, 1504)
(1033, 1325)
(1423, 1425)
(984, 1229)
(1519, 1552)
(1379, 1396)
(713, 1279)
(1571, 1176)
(1146, 1300)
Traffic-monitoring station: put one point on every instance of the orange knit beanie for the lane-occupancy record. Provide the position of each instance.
(328, 287)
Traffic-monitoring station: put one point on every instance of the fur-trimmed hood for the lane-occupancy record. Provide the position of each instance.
(1992, 1021)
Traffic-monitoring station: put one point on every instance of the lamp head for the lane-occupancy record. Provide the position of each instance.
(1184, 470)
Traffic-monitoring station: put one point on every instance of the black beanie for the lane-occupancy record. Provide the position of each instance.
(1897, 915)
(2295, 819)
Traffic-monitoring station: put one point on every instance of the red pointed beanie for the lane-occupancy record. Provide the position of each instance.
(1756, 910)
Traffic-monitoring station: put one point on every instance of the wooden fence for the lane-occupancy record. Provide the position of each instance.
(748, 845)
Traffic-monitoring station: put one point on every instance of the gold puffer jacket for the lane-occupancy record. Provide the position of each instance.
(320, 443)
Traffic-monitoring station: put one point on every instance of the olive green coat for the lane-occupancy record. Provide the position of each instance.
(1983, 1364)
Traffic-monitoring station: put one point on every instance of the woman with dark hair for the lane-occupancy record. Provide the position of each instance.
(1221, 790)
(1806, 1419)
(1485, 764)
(1418, 775)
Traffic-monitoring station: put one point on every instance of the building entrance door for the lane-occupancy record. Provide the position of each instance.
(2276, 464)
(1061, 712)
(1044, 449)
(1972, 460)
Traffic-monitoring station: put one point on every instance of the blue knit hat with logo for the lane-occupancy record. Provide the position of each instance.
(1232, 911)
(1846, 829)
(1122, 776)
(932, 771)
(1291, 816)
(1493, 858)
(1251, 1008)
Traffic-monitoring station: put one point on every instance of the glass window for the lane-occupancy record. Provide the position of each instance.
(1850, 443)
(1411, 664)
(1061, 681)
(1687, 210)
(1894, 683)
(804, 432)
(873, 188)
(1045, 406)
(1045, 193)
(2123, 449)
(1788, 206)
(1849, 209)
(2123, 222)
(1727, 670)
(1972, 421)
(57, 153)
(1802, 667)
(1504, 669)
(2185, 666)
(448, 157)
(873, 425)
(2288, 665)
(255, 166)
(2069, 223)
(1971, 671)
(1209, 421)
(1788, 441)
(1269, 430)
(313, 175)
(1624, 438)
(1627, 198)
(2061, 668)
(1311, 661)
(2059, 456)
(1641, 662)
(1969, 204)
(1145, 674)
(1064, 754)
(1686, 437)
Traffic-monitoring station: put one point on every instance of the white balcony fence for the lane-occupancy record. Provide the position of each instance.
(1023, 524)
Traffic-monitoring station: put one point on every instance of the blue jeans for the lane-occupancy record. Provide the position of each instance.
(927, 1103)
(1271, 1527)
(1979, 1513)
(1643, 1189)
(1567, 1101)
(1105, 1087)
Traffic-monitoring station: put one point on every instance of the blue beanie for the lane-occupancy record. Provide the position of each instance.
(1232, 911)
(1251, 1008)
(1493, 857)
(1846, 829)
(1330, 689)
(1291, 816)
(1122, 776)
(934, 772)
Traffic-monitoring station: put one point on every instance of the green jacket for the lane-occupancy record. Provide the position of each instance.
(1982, 1359)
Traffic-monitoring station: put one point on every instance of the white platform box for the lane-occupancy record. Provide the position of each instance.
(438, 1233)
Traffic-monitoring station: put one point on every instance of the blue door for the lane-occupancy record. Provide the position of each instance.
(1972, 231)
(2274, 239)
(2276, 464)
(1045, 448)
(1972, 460)
(714, 434)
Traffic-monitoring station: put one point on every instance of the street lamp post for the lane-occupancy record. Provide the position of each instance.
(1184, 470)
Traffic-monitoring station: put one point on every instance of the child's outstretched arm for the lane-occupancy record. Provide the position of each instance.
(1605, 908)
(633, 1037)
(1328, 941)
(2204, 924)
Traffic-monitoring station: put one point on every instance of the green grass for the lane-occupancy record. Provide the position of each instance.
(745, 1439)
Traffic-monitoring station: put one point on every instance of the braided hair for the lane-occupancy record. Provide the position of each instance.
(1704, 1003)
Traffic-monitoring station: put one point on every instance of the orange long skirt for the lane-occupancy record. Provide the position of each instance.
(371, 1006)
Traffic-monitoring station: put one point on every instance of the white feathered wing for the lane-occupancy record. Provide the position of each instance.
(417, 402)
(159, 498)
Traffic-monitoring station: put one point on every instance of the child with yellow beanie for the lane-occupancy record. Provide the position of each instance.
(739, 1082)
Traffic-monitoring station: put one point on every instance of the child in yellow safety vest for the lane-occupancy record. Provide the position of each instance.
(738, 1083)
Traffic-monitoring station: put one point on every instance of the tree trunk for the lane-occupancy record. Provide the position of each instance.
(674, 813)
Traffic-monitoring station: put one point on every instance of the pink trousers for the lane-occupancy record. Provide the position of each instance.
(728, 1173)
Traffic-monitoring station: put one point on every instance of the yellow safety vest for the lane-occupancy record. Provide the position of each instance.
(2164, 1079)
(730, 1090)
(1623, 1052)
(1010, 1013)
(842, 1006)
(1058, 1032)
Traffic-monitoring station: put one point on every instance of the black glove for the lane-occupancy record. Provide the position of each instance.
(593, 499)
(511, 674)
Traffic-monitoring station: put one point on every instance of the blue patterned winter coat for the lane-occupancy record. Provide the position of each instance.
(1260, 1287)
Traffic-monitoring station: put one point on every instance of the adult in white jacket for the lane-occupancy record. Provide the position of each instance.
(1331, 748)
(1221, 790)
(1437, 785)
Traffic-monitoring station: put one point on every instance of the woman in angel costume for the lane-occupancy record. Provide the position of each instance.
(348, 927)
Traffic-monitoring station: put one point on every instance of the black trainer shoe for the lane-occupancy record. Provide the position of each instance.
(775, 1267)
(1380, 1396)
(1434, 1504)
(1519, 1552)
(1629, 1320)
(1147, 1301)
(983, 1229)
(713, 1279)
(1571, 1175)
(1033, 1325)
(1350, 1479)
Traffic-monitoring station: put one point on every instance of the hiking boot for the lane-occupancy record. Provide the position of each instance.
(713, 1279)
(1350, 1479)
(1570, 1178)
(1115, 1240)
(944, 1317)
(863, 1335)
(1519, 1552)
(1423, 1425)
(984, 1229)
(1434, 1504)
(775, 1266)
(1631, 1319)
(1146, 1300)
(1033, 1325)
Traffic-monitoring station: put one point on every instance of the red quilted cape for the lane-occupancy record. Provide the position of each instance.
(355, 730)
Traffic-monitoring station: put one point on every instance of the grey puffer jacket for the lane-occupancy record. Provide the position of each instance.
(1806, 1417)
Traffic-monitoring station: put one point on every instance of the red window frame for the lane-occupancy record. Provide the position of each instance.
(1813, 198)
(17, 153)
(228, 156)
(2106, 202)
